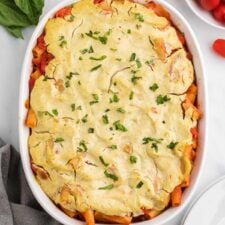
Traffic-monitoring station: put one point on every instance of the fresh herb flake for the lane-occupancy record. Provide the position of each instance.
(172, 145)
(162, 99)
(73, 107)
(139, 185)
(95, 68)
(133, 159)
(105, 119)
(59, 139)
(91, 130)
(119, 126)
(154, 87)
(139, 17)
(108, 187)
(121, 110)
(132, 57)
(82, 146)
(103, 161)
(131, 95)
(98, 58)
(55, 112)
(111, 176)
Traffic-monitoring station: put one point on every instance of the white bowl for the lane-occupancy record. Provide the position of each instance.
(204, 15)
(41, 197)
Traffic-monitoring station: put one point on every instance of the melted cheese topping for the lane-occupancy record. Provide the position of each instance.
(105, 114)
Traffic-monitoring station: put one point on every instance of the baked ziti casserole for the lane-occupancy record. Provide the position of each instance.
(112, 111)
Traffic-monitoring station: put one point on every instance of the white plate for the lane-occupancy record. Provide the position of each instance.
(204, 15)
(209, 208)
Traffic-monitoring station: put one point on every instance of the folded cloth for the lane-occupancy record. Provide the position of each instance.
(17, 204)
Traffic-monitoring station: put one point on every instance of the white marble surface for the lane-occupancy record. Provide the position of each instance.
(11, 56)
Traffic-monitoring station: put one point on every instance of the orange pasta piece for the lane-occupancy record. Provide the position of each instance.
(36, 74)
(40, 171)
(176, 196)
(159, 10)
(192, 93)
(37, 53)
(89, 217)
(126, 220)
(186, 182)
(68, 212)
(63, 12)
(31, 120)
(181, 37)
(41, 42)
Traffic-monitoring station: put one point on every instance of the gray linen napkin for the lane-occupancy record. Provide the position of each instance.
(17, 204)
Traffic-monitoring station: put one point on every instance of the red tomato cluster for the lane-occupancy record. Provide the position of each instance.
(217, 8)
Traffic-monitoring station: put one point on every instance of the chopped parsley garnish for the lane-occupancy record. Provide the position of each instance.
(154, 141)
(108, 187)
(55, 112)
(79, 107)
(98, 58)
(113, 49)
(95, 99)
(133, 159)
(105, 119)
(131, 96)
(134, 78)
(80, 58)
(115, 98)
(119, 126)
(45, 113)
(87, 50)
(121, 110)
(71, 18)
(103, 40)
(138, 63)
(132, 57)
(78, 82)
(139, 17)
(107, 110)
(71, 74)
(59, 139)
(129, 31)
(113, 147)
(147, 140)
(111, 176)
(103, 161)
(62, 41)
(73, 107)
(95, 68)
(84, 119)
(67, 83)
(155, 146)
(82, 146)
(91, 130)
(172, 145)
(140, 184)
(162, 99)
(154, 87)
(118, 59)
(95, 35)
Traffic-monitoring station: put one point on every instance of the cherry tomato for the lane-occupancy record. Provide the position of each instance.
(41, 42)
(63, 12)
(209, 4)
(219, 13)
(219, 47)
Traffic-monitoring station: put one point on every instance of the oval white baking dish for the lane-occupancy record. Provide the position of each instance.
(41, 197)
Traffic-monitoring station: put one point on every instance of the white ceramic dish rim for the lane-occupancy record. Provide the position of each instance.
(41, 197)
(204, 15)
(201, 195)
